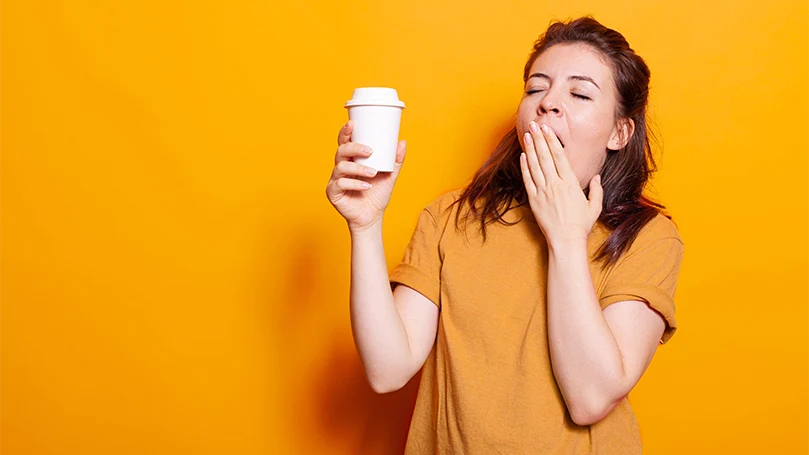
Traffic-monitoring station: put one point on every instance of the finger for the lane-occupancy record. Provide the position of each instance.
(530, 187)
(543, 155)
(533, 161)
(352, 149)
(350, 168)
(347, 184)
(401, 151)
(563, 167)
(345, 133)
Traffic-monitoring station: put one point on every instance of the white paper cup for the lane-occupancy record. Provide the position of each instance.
(377, 113)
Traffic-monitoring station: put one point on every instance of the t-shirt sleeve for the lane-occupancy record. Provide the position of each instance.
(420, 268)
(648, 272)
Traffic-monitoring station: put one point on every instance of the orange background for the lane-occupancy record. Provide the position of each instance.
(174, 279)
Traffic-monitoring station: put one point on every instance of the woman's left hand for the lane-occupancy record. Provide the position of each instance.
(562, 211)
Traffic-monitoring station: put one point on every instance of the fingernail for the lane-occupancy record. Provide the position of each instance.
(545, 129)
(370, 171)
(598, 179)
(366, 185)
(533, 127)
(367, 150)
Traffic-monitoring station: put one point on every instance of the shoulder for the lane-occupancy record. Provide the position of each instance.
(658, 228)
(441, 205)
(659, 236)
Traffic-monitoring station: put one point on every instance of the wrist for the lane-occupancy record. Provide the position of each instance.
(566, 246)
(373, 228)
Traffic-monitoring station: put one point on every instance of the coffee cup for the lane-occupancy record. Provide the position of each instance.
(377, 113)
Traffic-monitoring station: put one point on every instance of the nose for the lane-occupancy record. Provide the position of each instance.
(549, 104)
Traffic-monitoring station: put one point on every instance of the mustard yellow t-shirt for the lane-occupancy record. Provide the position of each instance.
(487, 386)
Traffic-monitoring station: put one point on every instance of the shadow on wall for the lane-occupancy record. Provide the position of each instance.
(332, 400)
(349, 405)
(329, 401)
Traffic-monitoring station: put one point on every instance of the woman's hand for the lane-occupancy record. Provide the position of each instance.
(361, 206)
(562, 211)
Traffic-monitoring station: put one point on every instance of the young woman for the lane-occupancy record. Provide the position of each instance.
(535, 297)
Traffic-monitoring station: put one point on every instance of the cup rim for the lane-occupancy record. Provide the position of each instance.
(354, 103)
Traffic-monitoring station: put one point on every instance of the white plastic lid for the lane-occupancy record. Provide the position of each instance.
(375, 96)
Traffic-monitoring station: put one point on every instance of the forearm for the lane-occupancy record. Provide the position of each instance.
(378, 330)
(585, 356)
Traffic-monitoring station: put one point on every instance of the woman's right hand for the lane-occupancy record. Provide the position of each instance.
(360, 206)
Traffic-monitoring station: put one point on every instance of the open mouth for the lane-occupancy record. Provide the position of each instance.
(559, 139)
(557, 136)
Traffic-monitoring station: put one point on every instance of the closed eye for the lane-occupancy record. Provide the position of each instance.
(531, 92)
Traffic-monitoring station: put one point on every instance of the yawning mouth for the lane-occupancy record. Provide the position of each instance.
(557, 136)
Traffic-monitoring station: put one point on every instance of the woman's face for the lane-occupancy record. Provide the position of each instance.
(572, 91)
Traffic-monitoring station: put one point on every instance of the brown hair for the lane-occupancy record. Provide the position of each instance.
(625, 172)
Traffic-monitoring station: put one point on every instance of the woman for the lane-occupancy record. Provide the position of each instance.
(531, 330)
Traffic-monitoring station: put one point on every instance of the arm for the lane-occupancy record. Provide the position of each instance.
(393, 331)
(597, 355)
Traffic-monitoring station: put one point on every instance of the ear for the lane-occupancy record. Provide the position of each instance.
(621, 134)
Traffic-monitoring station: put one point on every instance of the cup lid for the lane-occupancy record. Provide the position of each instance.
(375, 96)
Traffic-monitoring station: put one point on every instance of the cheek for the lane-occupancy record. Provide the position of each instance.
(590, 133)
(588, 148)
(526, 112)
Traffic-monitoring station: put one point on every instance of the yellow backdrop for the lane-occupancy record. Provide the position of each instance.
(174, 279)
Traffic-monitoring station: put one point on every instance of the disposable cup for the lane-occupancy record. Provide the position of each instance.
(377, 114)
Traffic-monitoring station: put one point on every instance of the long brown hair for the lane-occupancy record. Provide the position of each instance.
(625, 172)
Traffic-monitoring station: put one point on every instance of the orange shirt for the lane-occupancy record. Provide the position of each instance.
(487, 386)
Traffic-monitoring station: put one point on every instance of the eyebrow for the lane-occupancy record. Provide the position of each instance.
(577, 78)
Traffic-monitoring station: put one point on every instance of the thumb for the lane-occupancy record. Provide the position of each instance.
(596, 195)
(401, 151)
